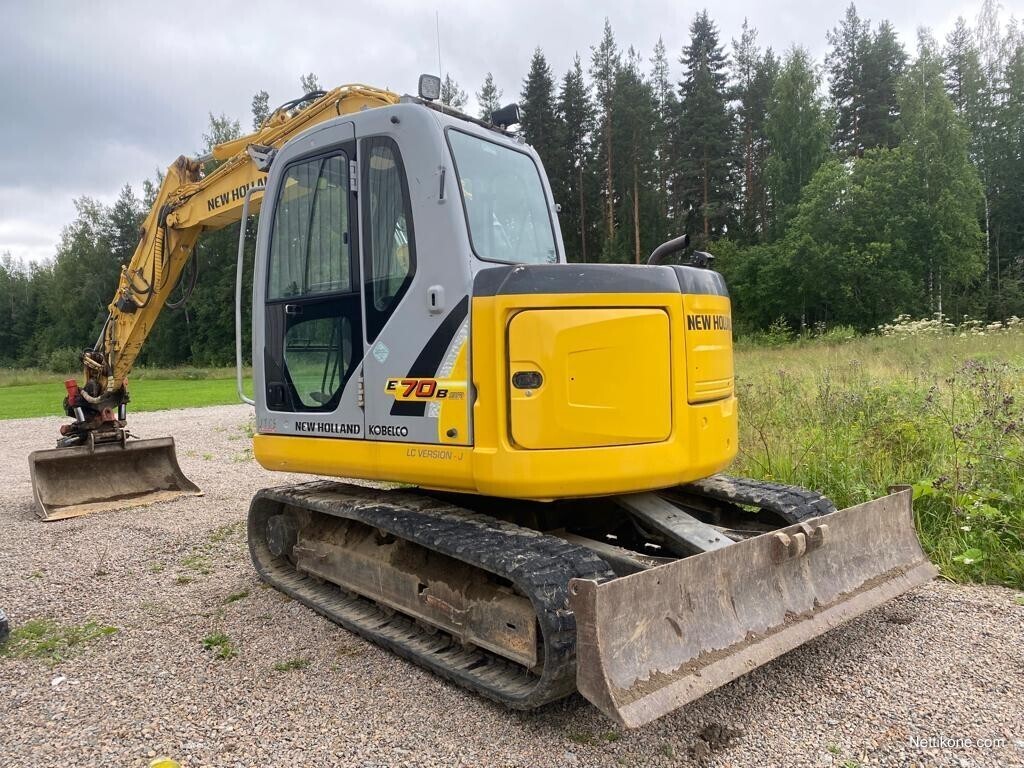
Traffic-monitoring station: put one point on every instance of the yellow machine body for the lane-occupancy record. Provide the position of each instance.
(635, 395)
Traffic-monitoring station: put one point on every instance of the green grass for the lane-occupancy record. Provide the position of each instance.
(199, 563)
(942, 413)
(224, 533)
(46, 639)
(291, 664)
(220, 645)
(28, 394)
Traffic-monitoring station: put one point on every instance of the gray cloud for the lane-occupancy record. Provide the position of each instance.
(98, 94)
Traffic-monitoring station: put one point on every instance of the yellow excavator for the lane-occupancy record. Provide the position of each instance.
(559, 429)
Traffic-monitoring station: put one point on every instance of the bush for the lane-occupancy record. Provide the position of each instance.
(837, 334)
(64, 360)
(778, 334)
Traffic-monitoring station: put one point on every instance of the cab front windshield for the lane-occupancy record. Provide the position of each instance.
(504, 199)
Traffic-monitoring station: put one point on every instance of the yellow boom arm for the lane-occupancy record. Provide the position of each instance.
(187, 204)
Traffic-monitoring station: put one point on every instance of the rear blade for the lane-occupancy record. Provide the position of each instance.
(68, 482)
(652, 641)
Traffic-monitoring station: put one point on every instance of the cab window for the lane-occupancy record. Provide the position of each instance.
(504, 200)
(390, 251)
(309, 248)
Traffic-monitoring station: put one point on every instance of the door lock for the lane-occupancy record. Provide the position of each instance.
(435, 299)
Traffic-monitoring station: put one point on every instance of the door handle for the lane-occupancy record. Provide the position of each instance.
(293, 309)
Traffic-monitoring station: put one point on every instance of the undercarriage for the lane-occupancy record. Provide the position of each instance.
(481, 591)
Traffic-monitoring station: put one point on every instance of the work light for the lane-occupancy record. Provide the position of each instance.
(430, 87)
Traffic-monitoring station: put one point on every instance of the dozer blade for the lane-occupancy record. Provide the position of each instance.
(68, 482)
(652, 641)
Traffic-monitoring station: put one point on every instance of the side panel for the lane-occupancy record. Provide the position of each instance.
(702, 440)
(589, 377)
(708, 334)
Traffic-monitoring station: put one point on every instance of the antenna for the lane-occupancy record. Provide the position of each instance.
(437, 27)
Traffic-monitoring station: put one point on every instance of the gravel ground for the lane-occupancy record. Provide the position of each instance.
(944, 662)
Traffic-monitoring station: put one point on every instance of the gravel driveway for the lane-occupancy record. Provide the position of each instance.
(890, 688)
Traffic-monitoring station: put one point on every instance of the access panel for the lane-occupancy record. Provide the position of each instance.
(582, 378)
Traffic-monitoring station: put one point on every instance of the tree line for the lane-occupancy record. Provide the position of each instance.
(880, 181)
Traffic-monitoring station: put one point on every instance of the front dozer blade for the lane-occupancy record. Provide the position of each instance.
(652, 641)
(68, 482)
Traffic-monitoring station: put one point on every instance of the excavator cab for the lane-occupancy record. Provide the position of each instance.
(413, 298)
(563, 427)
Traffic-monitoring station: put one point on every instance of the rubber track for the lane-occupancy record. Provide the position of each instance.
(539, 565)
(793, 503)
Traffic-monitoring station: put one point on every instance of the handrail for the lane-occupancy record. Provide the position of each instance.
(238, 295)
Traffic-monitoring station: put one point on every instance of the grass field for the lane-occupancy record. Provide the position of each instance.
(849, 416)
(944, 413)
(26, 393)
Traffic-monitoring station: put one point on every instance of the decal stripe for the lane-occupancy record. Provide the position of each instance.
(431, 356)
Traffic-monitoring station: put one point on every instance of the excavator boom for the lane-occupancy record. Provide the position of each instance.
(189, 202)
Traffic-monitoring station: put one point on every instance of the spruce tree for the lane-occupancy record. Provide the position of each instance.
(124, 221)
(538, 124)
(488, 98)
(864, 69)
(703, 186)
(635, 150)
(753, 77)
(884, 61)
(845, 62)
(576, 113)
(667, 107)
(604, 66)
(965, 82)
(260, 109)
(451, 94)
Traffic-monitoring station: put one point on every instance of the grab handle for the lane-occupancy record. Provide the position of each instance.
(238, 296)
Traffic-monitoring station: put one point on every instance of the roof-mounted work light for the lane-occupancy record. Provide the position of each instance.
(430, 87)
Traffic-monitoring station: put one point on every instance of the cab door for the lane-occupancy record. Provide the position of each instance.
(415, 297)
(313, 331)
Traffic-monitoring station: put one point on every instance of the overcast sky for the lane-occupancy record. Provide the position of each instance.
(96, 94)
